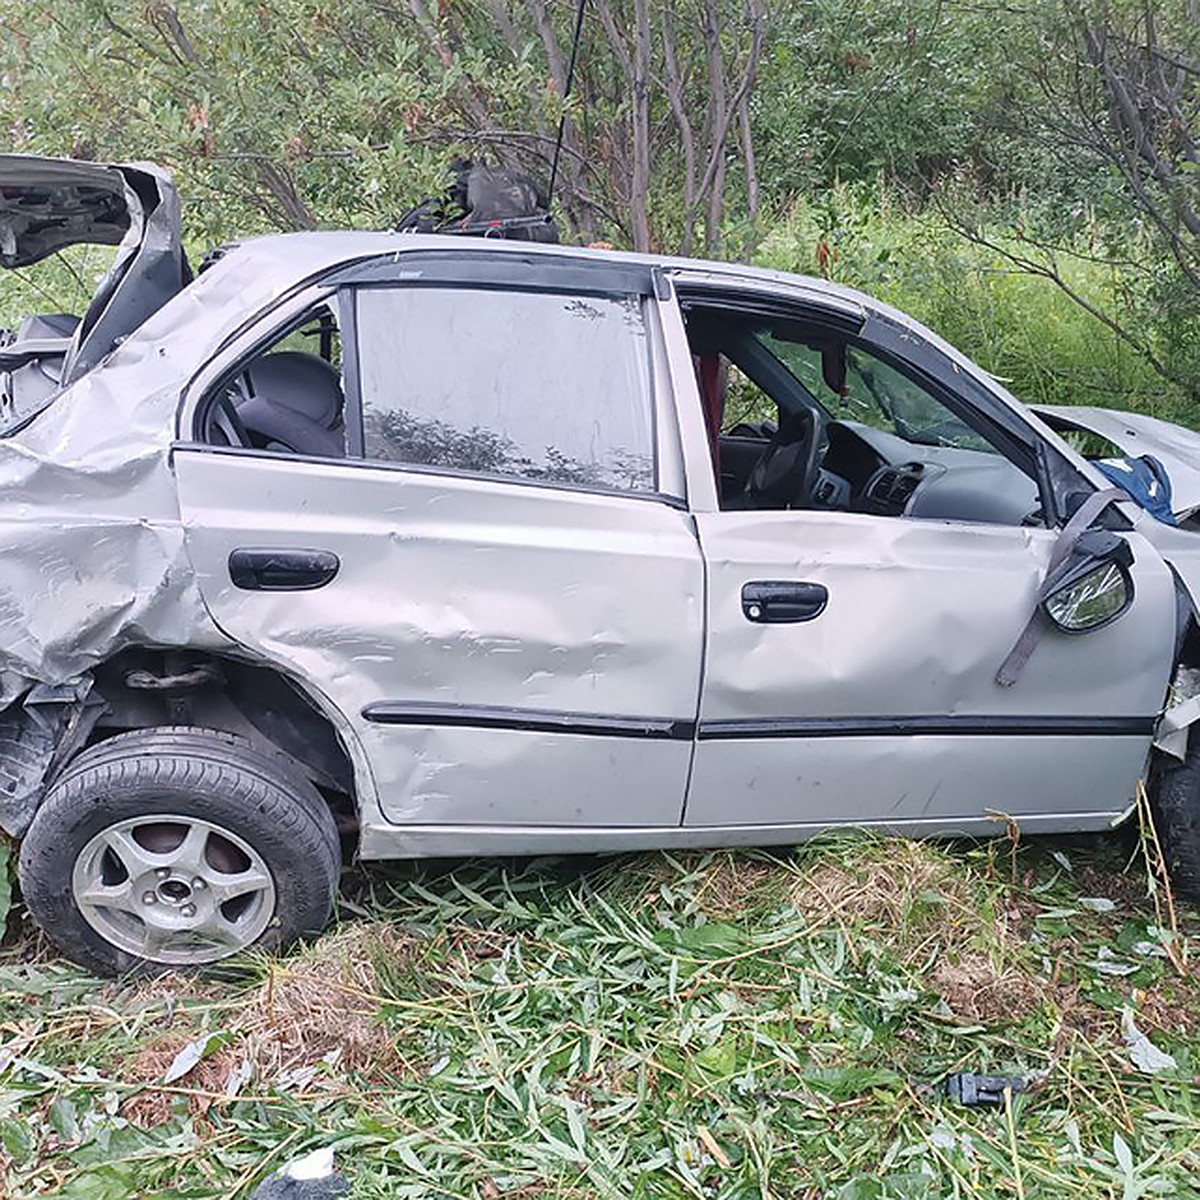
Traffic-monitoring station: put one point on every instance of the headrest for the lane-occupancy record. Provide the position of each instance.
(300, 382)
(795, 427)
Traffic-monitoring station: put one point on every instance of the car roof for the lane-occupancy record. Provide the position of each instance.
(322, 251)
(261, 270)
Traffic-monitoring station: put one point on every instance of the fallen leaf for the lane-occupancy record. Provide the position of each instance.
(710, 1144)
(194, 1053)
(1143, 1053)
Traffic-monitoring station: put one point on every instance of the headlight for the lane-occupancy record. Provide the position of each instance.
(1091, 600)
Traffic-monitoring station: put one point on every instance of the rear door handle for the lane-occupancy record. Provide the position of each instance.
(281, 568)
(770, 602)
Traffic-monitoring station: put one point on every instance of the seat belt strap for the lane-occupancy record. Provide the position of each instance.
(1085, 516)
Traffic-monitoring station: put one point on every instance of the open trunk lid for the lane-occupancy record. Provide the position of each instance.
(48, 204)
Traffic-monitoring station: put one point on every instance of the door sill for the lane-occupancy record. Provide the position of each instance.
(387, 841)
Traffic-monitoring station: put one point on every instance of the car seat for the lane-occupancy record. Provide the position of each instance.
(293, 402)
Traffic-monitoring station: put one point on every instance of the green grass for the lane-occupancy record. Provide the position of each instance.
(1020, 327)
(728, 1025)
(64, 282)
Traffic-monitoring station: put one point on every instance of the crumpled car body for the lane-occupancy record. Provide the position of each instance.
(1135, 434)
(511, 549)
(49, 205)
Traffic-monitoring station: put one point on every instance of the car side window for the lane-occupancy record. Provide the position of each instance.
(287, 398)
(526, 385)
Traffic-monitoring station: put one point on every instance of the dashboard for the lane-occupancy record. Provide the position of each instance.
(885, 474)
(869, 470)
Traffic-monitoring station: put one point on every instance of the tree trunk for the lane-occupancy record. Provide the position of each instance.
(639, 184)
(719, 126)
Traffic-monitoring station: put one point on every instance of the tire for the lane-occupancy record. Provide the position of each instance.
(1175, 801)
(172, 848)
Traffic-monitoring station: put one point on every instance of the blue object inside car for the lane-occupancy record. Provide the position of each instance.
(1145, 479)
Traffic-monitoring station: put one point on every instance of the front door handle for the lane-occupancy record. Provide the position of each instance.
(281, 568)
(770, 602)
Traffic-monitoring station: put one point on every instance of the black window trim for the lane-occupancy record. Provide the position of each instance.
(503, 270)
(352, 417)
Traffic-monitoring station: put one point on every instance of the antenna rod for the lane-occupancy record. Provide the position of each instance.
(562, 121)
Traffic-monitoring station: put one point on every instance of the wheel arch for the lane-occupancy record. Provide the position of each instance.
(143, 687)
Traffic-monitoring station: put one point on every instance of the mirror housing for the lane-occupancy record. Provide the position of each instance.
(1093, 587)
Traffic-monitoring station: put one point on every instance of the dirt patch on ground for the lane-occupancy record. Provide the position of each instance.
(473, 944)
(198, 1090)
(973, 988)
(323, 1006)
(914, 898)
(966, 935)
(734, 885)
(1172, 1005)
(326, 1003)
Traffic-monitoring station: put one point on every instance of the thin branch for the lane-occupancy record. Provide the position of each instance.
(1050, 271)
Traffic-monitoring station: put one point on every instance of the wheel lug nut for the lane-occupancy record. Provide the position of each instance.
(189, 910)
(163, 872)
(148, 898)
(199, 885)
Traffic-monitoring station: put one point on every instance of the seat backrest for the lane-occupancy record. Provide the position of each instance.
(294, 403)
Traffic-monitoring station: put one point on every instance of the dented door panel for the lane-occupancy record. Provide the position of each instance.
(885, 706)
(506, 653)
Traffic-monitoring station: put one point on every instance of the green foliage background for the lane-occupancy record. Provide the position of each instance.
(597, 1029)
(882, 134)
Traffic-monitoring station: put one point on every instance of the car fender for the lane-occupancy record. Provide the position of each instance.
(1180, 550)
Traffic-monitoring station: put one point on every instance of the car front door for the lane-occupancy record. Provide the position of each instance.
(852, 654)
(509, 615)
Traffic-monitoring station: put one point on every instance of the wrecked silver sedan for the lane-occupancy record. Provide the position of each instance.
(409, 545)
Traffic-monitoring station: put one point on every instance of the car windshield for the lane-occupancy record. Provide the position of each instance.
(874, 393)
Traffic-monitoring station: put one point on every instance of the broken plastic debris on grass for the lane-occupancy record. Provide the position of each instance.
(311, 1177)
(1107, 963)
(1143, 1053)
(982, 1091)
(193, 1054)
(239, 1077)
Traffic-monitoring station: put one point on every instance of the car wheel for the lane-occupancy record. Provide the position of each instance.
(172, 848)
(1175, 800)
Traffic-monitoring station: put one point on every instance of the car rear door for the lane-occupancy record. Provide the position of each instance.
(510, 618)
(870, 695)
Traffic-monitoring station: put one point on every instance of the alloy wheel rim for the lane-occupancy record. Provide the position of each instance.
(173, 889)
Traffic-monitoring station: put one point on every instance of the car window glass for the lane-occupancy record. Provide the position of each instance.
(877, 394)
(537, 386)
(287, 398)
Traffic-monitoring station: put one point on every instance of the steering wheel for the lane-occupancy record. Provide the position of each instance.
(787, 470)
